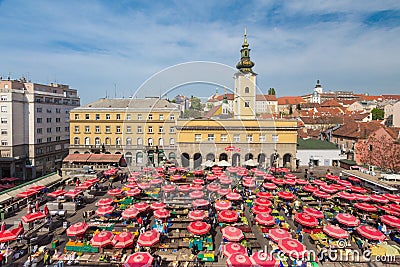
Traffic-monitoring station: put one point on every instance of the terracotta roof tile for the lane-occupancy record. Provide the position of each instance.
(357, 130)
(290, 100)
(266, 98)
(330, 103)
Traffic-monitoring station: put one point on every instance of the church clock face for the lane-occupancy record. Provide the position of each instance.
(247, 75)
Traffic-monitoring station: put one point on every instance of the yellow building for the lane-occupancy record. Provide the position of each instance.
(141, 129)
(270, 142)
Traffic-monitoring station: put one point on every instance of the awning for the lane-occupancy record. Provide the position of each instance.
(5, 197)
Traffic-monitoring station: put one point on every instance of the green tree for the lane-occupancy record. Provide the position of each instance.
(271, 91)
(378, 114)
(290, 110)
(191, 113)
(195, 103)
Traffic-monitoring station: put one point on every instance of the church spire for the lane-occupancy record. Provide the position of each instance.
(245, 64)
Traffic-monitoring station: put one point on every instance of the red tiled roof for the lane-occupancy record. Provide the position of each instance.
(266, 98)
(212, 111)
(347, 102)
(330, 103)
(77, 158)
(391, 97)
(393, 132)
(290, 100)
(228, 97)
(369, 98)
(93, 158)
(357, 130)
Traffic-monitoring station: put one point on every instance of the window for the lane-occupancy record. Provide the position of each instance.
(249, 138)
(150, 117)
(197, 137)
(4, 120)
(370, 147)
(262, 138)
(3, 131)
(97, 129)
(150, 129)
(160, 142)
(76, 141)
(139, 141)
(87, 116)
(210, 137)
(128, 129)
(139, 129)
(66, 128)
(236, 138)
(39, 110)
(39, 130)
(76, 129)
(161, 117)
(246, 104)
(4, 109)
(48, 139)
(76, 116)
(48, 130)
(58, 138)
(39, 120)
(172, 117)
(4, 142)
(58, 110)
(161, 129)
(97, 141)
(6, 86)
(118, 116)
(108, 116)
(58, 119)
(39, 140)
(275, 138)
(139, 117)
(128, 141)
(171, 129)
(128, 116)
(48, 120)
(246, 90)
(108, 129)
(97, 117)
(118, 129)
(3, 98)
(87, 141)
(171, 141)
(87, 129)
(58, 129)
(150, 142)
(224, 137)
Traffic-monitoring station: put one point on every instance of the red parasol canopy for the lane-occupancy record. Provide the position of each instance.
(199, 228)
(286, 195)
(131, 186)
(310, 188)
(149, 238)
(361, 197)
(123, 240)
(233, 196)
(197, 215)
(26, 194)
(184, 188)
(314, 212)
(346, 195)
(318, 182)
(104, 202)
(343, 182)
(115, 192)
(57, 193)
(213, 187)
(31, 217)
(104, 210)
(168, 188)
(354, 179)
(277, 234)
(290, 181)
(130, 213)
(133, 192)
(390, 220)
(366, 207)
(392, 197)
(390, 211)
(227, 216)
(306, 220)
(321, 194)
(264, 195)
(226, 181)
(223, 205)
(332, 177)
(141, 206)
(157, 205)
(265, 219)
(263, 259)
(198, 181)
(269, 186)
(161, 213)
(370, 233)
(196, 194)
(223, 191)
(302, 182)
(239, 260)
(231, 248)
(139, 259)
(395, 207)
(232, 234)
(292, 248)
(102, 239)
(358, 189)
(77, 229)
(73, 193)
(328, 188)
(260, 209)
(378, 199)
(335, 231)
(278, 181)
(174, 178)
(144, 186)
(262, 202)
(347, 219)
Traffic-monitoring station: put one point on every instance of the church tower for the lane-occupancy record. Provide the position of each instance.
(245, 85)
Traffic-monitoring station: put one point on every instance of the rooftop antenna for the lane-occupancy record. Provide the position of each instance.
(115, 90)
(106, 94)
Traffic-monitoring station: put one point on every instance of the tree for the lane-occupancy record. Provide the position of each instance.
(378, 114)
(195, 103)
(271, 91)
(290, 110)
(191, 113)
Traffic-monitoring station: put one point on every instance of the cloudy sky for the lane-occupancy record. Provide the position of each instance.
(100, 46)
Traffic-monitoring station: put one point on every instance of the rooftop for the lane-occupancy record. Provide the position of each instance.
(129, 103)
(310, 143)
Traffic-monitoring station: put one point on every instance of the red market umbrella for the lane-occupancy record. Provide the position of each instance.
(290, 181)
(139, 259)
(354, 179)
(57, 193)
(36, 188)
(358, 189)
(390, 220)
(286, 195)
(200, 203)
(213, 187)
(262, 202)
(346, 195)
(260, 209)
(395, 207)
(263, 259)
(310, 188)
(335, 231)
(130, 213)
(123, 240)
(292, 248)
(197, 187)
(211, 177)
(226, 181)
(11, 234)
(392, 197)
(199, 228)
(378, 199)
(132, 179)
(318, 182)
(366, 207)
(239, 260)
(228, 216)
(278, 181)
(31, 217)
(264, 195)
(144, 186)
(104, 202)
(265, 219)
(338, 187)
(343, 182)
(269, 186)
(232, 234)
(233, 196)
(135, 174)
(222, 205)
(277, 234)
(156, 181)
(196, 194)
(161, 214)
(321, 194)
(184, 188)
(149, 238)
(362, 197)
(131, 186)
(133, 192)
(198, 181)
(141, 206)
(347, 219)
(159, 169)
(314, 212)
(332, 177)
(328, 188)
(77, 229)
(102, 239)
(73, 193)
(306, 220)
(370, 233)
(302, 182)
(174, 178)
(26, 194)
(223, 191)
(157, 205)
(231, 248)
(249, 183)
(197, 215)
(115, 192)
(84, 186)
(104, 210)
(168, 188)
(390, 211)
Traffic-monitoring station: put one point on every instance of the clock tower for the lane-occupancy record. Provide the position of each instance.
(245, 85)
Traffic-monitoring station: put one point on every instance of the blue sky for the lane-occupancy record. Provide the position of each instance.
(96, 46)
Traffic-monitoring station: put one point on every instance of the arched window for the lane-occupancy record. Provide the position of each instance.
(161, 142)
(118, 141)
(108, 141)
(97, 141)
(87, 141)
(172, 142)
(76, 141)
(171, 155)
(128, 141)
(246, 90)
(139, 141)
(139, 157)
(150, 142)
